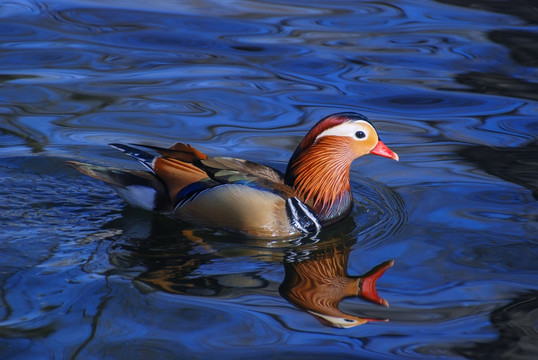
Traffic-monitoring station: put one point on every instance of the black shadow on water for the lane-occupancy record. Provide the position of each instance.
(516, 324)
(518, 165)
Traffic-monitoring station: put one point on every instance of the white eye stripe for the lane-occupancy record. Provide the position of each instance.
(348, 129)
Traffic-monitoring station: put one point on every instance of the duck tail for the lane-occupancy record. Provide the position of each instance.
(138, 188)
(145, 158)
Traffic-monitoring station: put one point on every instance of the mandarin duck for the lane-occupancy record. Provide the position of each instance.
(246, 197)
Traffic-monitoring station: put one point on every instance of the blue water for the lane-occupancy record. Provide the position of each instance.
(452, 88)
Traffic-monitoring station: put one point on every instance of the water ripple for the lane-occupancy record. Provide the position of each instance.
(81, 270)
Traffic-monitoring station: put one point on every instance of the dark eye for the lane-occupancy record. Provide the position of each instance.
(360, 134)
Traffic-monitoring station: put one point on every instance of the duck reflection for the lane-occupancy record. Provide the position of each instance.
(318, 283)
(186, 261)
(316, 275)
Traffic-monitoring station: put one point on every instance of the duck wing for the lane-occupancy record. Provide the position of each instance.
(220, 167)
(182, 165)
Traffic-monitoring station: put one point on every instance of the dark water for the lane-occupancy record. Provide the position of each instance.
(451, 85)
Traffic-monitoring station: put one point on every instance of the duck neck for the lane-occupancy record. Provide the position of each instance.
(320, 177)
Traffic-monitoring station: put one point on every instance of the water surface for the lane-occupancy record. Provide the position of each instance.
(451, 88)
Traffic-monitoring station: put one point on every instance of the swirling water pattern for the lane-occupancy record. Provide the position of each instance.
(452, 89)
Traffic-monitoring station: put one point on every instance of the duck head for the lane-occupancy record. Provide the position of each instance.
(319, 168)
